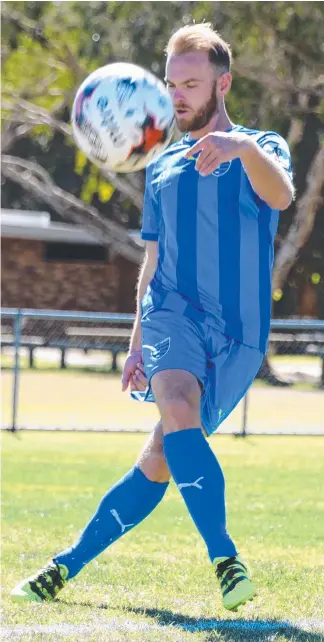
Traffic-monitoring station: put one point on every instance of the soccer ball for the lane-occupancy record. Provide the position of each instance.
(122, 117)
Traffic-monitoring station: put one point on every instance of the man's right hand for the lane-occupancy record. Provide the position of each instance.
(133, 372)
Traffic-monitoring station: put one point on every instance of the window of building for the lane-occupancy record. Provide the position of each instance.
(75, 252)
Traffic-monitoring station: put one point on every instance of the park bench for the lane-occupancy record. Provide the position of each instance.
(299, 343)
(111, 339)
(66, 335)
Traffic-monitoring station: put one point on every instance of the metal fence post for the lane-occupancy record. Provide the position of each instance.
(244, 418)
(16, 371)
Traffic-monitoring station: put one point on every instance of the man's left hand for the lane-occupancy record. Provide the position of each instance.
(217, 148)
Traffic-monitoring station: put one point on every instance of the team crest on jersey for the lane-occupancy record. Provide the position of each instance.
(222, 169)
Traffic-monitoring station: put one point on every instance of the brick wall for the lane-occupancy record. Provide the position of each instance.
(28, 281)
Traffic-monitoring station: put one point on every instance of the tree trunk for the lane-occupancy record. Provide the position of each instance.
(33, 177)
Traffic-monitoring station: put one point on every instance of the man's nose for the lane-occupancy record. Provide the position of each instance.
(178, 96)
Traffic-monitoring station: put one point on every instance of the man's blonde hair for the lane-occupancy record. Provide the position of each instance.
(201, 37)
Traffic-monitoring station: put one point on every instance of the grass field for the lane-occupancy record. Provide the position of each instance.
(79, 399)
(156, 583)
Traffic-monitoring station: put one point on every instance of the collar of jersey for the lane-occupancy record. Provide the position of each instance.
(186, 138)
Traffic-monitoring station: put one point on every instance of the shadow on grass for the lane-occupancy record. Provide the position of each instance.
(88, 604)
(237, 630)
(231, 630)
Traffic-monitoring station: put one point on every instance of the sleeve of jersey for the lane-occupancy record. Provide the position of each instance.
(150, 223)
(276, 146)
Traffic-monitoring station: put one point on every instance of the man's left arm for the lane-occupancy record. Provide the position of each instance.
(268, 175)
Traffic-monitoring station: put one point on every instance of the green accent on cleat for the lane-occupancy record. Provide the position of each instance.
(235, 581)
(43, 586)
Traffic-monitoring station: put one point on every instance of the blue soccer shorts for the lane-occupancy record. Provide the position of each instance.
(224, 367)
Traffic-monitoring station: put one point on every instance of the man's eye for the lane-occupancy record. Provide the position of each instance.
(191, 86)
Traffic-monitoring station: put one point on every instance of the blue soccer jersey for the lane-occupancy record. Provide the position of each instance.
(215, 240)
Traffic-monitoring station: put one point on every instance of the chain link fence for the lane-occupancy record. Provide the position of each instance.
(82, 332)
(61, 371)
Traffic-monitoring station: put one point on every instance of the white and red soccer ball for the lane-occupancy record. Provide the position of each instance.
(122, 117)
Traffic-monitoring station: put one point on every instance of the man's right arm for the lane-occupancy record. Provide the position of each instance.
(146, 275)
(150, 234)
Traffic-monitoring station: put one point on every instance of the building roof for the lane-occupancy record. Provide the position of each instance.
(37, 226)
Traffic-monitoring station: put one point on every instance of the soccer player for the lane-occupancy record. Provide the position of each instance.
(210, 216)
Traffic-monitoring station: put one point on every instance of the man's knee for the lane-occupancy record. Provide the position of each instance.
(177, 394)
(177, 414)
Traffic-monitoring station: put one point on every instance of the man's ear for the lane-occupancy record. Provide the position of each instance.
(224, 83)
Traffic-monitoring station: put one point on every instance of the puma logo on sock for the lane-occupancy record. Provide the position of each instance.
(195, 484)
(117, 518)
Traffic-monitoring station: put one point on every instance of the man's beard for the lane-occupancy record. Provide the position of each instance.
(202, 117)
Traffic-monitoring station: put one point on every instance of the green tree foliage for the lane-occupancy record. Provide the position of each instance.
(49, 47)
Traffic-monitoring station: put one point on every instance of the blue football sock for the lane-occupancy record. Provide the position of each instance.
(124, 506)
(200, 480)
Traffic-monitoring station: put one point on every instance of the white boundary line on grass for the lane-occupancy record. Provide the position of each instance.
(306, 625)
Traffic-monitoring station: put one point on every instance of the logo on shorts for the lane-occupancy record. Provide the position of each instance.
(159, 350)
